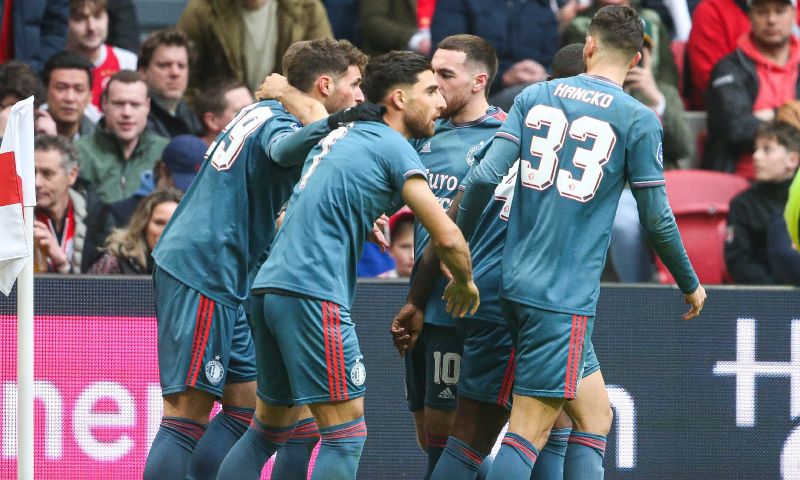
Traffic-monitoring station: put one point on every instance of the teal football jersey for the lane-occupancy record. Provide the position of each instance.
(580, 139)
(226, 221)
(349, 179)
(448, 156)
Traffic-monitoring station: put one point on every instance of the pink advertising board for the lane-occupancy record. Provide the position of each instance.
(98, 401)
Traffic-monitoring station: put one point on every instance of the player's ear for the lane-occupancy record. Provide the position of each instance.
(398, 98)
(635, 61)
(479, 82)
(325, 85)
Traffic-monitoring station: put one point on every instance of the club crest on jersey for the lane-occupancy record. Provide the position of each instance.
(660, 155)
(471, 153)
(215, 371)
(358, 374)
(426, 148)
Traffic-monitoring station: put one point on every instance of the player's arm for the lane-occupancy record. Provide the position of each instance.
(461, 294)
(663, 235)
(483, 180)
(302, 106)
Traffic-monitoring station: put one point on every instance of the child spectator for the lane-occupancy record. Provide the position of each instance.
(401, 232)
(775, 161)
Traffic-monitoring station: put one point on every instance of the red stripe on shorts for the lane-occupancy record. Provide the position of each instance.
(508, 381)
(327, 349)
(197, 321)
(568, 377)
(576, 348)
(341, 353)
(203, 339)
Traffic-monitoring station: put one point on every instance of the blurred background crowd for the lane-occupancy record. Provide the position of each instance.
(130, 93)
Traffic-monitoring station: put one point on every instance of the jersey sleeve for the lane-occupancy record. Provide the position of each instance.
(278, 127)
(644, 157)
(291, 147)
(403, 164)
(511, 129)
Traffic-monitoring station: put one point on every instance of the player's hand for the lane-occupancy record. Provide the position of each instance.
(461, 298)
(406, 327)
(273, 87)
(365, 111)
(376, 236)
(696, 299)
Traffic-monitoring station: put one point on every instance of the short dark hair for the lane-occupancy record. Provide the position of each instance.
(477, 50)
(66, 61)
(618, 27)
(568, 61)
(390, 70)
(123, 76)
(783, 133)
(64, 146)
(305, 61)
(212, 98)
(173, 37)
(76, 6)
(19, 79)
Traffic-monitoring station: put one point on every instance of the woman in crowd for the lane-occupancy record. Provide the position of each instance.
(129, 250)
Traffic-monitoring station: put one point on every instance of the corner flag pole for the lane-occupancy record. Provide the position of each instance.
(25, 358)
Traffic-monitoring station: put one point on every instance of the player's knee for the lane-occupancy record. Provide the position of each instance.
(439, 422)
(597, 423)
(191, 404)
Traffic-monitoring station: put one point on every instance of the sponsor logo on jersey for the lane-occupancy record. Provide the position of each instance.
(358, 374)
(215, 371)
(425, 148)
(447, 394)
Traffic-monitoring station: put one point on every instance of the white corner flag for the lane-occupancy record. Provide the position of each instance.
(17, 189)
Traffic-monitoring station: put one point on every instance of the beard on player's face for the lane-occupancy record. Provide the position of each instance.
(418, 120)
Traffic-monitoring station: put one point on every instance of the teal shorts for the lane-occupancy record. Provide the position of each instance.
(306, 351)
(551, 350)
(433, 368)
(201, 343)
(489, 360)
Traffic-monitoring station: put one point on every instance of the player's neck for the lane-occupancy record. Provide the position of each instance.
(473, 110)
(394, 119)
(611, 72)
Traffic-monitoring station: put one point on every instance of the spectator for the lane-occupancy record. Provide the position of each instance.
(717, 26)
(36, 30)
(121, 148)
(776, 160)
(748, 85)
(123, 26)
(401, 249)
(266, 27)
(71, 222)
(784, 259)
(87, 35)
(217, 105)
(18, 81)
(179, 164)
(343, 17)
(128, 251)
(397, 25)
(164, 66)
(68, 79)
(524, 33)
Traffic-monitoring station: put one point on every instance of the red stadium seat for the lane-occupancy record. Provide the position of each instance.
(700, 200)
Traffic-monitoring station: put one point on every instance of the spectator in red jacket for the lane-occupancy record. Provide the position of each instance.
(717, 26)
(750, 84)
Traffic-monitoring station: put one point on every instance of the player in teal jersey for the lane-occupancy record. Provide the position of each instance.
(209, 253)
(578, 140)
(464, 66)
(487, 368)
(303, 293)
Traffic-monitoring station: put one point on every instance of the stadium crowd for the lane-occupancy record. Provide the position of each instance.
(123, 119)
